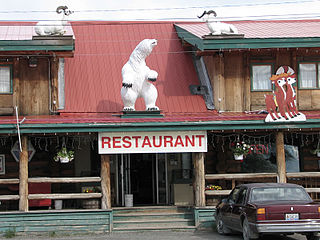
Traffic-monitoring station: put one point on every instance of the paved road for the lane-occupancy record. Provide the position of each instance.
(159, 235)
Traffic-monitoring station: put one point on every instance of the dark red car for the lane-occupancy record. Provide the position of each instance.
(268, 208)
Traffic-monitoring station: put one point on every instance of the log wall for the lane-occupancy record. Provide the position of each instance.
(230, 74)
(30, 87)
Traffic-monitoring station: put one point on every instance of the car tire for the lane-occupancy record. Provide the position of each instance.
(221, 227)
(312, 236)
(246, 230)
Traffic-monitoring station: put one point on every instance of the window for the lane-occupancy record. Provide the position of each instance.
(260, 77)
(242, 196)
(309, 75)
(5, 79)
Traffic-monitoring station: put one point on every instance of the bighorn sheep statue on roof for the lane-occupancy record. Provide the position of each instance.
(53, 28)
(137, 78)
(216, 27)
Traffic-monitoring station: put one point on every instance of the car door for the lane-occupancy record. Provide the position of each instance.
(228, 208)
(238, 208)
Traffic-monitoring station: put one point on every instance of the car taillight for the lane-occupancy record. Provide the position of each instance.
(319, 212)
(261, 214)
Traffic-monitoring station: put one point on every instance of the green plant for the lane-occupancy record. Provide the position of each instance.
(213, 187)
(240, 148)
(10, 233)
(52, 234)
(64, 153)
(317, 150)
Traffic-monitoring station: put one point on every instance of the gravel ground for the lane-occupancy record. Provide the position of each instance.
(154, 235)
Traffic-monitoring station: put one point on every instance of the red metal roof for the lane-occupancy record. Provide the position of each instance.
(93, 77)
(109, 118)
(264, 29)
(14, 31)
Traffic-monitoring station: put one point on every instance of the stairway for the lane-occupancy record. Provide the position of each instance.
(153, 218)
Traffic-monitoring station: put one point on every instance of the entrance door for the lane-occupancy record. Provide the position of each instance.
(144, 176)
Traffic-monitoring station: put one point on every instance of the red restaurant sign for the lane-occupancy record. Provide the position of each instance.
(152, 142)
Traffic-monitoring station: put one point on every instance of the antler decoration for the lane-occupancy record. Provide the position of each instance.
(209, 12)
(63, 9)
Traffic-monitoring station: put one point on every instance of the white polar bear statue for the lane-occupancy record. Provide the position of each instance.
(137, 78)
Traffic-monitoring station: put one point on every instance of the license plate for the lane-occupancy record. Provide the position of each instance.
(292, 216)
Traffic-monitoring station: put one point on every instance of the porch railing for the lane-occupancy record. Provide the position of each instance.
(54, 195)
(307, 179)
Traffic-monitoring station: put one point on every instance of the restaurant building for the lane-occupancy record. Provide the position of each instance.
(64, 92)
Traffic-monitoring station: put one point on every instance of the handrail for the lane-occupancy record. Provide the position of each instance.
(64, 179)
(241, 176)
(65, 196)
(53, 195)
(9, 181)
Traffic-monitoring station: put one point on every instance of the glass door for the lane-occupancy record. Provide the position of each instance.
(143, 175)
(162, 196)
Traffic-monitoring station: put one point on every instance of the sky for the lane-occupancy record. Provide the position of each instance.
(148, 10)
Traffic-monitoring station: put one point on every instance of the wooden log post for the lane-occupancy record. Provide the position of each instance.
(199, 180)
(281, 159)
(23, 176)
(105, 182)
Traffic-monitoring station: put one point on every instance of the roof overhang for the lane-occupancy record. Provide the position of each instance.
(21, 39)
(241, 125)
(61, 45)
(205, 43)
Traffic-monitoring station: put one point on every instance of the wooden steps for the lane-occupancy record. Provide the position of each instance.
(153, 219)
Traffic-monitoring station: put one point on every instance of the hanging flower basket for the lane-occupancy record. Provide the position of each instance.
(238, 157)
(64, 156)
(317, 150)
(240, 150)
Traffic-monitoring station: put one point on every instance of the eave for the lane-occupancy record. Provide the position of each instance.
(246, 43)
(242, 125)
(44, 44)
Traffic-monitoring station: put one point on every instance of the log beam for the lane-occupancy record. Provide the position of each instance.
(23, 176)
(199, 180)
(105, 182)
(281, 159)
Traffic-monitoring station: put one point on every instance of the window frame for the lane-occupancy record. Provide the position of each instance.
(271, 64)
(11, 79)
(317, 63)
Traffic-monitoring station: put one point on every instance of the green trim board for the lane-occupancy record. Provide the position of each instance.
(37, 45)
(158, 126)
(142, 114)
(204, 217)
(246, 43)
(58, 222)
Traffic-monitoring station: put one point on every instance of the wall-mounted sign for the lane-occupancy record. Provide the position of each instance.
(281, 104)
(15, 151)
(152, 142)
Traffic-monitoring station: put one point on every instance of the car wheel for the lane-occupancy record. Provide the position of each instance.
(312, 236)
(221, 227)
(245, 230)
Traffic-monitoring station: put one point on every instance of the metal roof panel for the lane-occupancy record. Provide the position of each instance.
(93, 77)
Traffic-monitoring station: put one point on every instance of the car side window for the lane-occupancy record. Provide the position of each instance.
(234, 195)
(242, 196)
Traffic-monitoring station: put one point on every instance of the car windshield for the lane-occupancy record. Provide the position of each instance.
(279, 194)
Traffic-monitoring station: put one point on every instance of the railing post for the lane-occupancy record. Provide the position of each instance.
(199, 181)
(281, 158)
(23, 175)
(105, 182)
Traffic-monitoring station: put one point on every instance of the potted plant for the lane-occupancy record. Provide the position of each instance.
(317, 150)
(64, 156)
(240, 149)
(213, 187)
